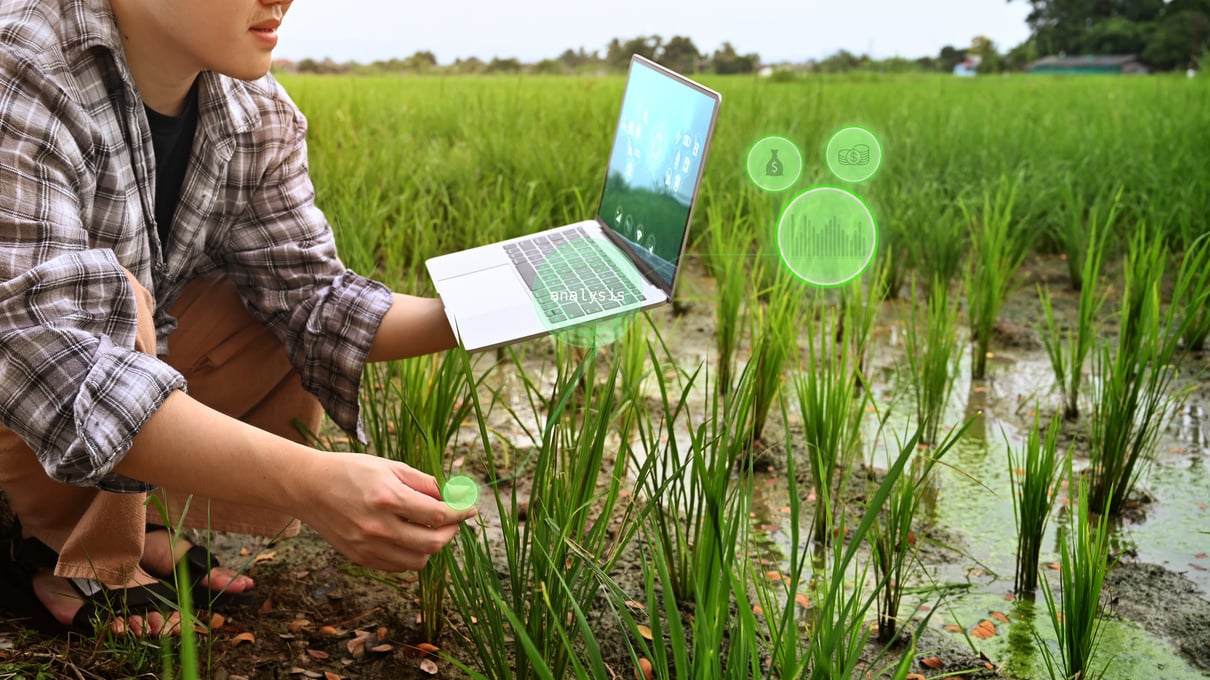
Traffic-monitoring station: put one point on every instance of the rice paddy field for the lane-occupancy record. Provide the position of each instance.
(986, 457)
(772, 480)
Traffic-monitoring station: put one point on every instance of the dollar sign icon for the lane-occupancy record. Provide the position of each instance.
(773, 168)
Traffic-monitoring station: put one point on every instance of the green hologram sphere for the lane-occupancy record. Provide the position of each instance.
(854, 154)
(827, 236)
(460, 492)
(774, 163)
(587, 294)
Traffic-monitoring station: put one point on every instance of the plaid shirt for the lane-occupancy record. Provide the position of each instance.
(77, 206)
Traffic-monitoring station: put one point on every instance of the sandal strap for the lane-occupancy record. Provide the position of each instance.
(105, 603)
(199, 559)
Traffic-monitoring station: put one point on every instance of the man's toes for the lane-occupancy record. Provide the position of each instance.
(136, 625)
(172, 626)
(222, 579)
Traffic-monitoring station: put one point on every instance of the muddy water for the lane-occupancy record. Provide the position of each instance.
(973, 517)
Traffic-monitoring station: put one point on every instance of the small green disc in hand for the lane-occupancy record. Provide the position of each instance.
(460, 492)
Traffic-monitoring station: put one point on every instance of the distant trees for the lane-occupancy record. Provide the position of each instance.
(680, 55)
(1166, 34)
(727, 60)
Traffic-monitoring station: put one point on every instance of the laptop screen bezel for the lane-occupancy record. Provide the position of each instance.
(645, 269)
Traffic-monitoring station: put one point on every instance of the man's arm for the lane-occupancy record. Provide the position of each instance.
(372, 510)
(412, 326)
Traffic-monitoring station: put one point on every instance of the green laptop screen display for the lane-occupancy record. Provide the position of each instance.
(655, 166)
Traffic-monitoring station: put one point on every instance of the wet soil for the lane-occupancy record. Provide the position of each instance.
(312, 604)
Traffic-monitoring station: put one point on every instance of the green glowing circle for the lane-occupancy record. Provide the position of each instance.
(460, 492)
(774, 163)
(854, 154)
(587, 295)
(827, 236)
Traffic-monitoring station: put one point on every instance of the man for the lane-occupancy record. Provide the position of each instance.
(171, 302)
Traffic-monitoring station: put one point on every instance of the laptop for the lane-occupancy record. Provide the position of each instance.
(625, 259)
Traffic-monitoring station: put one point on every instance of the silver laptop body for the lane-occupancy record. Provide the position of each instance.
(624, 259)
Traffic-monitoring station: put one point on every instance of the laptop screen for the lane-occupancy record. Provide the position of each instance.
(656, 164)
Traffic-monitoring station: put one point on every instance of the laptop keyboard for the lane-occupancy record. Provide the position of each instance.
(570, 275)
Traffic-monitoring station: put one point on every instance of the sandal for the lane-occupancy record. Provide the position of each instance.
(25, 557)
(200, 562)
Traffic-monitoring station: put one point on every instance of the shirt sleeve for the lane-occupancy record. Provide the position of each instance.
(72, 386)
(282, 256)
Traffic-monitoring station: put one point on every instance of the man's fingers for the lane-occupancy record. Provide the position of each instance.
(421, 508)
(420, 481)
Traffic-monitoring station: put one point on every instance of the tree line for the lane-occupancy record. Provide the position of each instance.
(1163, 34)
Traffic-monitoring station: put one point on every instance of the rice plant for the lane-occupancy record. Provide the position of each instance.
(731, 240)
(412, 410)
(1068, 351)
(998, 247)
(677, 504)
(1195, 307)
(860, 302)
(895, 537)
(831, 414)
(1033, 499)
(1080, 225)
(1133, 393)
(1078, 615)
(774, 330)
(933, 351)
(940, 236)
(573, 495)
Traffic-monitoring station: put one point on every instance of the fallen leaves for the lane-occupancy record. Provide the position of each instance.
(986, 629)
(243, 637)
(932, 662)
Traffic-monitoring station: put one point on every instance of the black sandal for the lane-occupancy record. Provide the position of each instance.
(25, 557)
(200, 561)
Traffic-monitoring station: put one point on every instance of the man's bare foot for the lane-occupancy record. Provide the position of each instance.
(63, 601)
(158, 559)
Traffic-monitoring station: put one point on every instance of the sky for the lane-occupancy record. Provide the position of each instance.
(531, 30)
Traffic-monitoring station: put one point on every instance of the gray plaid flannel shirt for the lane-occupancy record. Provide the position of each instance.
(77, 206)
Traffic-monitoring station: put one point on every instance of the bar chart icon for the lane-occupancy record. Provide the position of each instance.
(827, 236)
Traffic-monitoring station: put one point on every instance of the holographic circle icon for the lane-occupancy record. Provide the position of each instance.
(854, 154)
(460, 492)
(774, 163)
(827, 236)
(587, 295)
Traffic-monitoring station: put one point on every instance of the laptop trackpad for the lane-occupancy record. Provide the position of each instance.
(487, 290)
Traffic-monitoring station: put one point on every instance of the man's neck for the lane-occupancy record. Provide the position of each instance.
(163, 81)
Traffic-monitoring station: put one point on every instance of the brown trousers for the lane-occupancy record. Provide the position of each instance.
(233, 364)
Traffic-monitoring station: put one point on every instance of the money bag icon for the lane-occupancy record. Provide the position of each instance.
(773, 168)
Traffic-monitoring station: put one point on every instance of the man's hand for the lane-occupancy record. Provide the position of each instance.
(380, 513)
